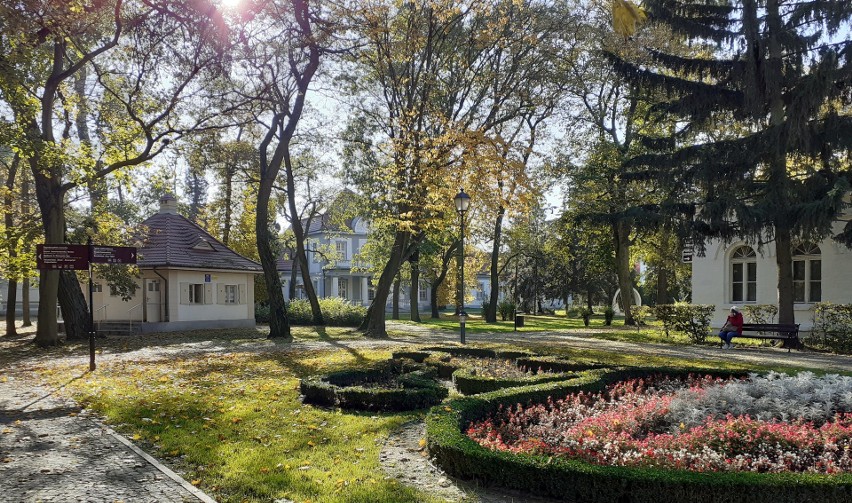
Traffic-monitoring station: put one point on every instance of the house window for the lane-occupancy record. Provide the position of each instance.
(343, 288)
(807, 273)
(97, 288)
(424, 292)
(230, 294)
(196, 293)
(153, 286)
(113, 291)
(340, 246)
(313, 251)
(744, 275)
(371, 293)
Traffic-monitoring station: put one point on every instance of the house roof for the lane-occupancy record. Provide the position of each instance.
(284, 265)
(173, 241)
(324, 223)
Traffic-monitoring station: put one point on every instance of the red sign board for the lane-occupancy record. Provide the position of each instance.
(113, 255)
(62, 257)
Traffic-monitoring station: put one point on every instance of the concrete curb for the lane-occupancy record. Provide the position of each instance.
(198, 493)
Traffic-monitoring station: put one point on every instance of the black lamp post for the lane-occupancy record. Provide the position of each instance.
(462, 201)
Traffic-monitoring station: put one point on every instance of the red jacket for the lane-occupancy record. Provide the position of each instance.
(736, 320)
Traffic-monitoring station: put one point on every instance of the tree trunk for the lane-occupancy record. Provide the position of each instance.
(784, 264)
(621, 237)
(491, 308)
(291, 291)
(11, 300)
(279, 322)
(50, 200)
(9, 221)
(414, 262)
(374, 322)
(229, 194)
(395, 299)
(25, 303)
(589, 298)
(445, 267)
(75, 310)
(662, 286)
(433, 300)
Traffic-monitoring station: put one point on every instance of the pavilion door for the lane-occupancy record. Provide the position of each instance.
(153, 300)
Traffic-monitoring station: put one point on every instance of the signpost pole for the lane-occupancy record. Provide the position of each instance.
(91, 312)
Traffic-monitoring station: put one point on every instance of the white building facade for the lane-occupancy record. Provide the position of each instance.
(740, 273)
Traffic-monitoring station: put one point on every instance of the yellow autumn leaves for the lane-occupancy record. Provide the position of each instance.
(626, 16)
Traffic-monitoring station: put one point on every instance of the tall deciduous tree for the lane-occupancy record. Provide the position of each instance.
(436, 80)
(781, 71)
(282, 45)
(144, 57)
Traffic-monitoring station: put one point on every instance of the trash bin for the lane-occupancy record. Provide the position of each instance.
(519, 320)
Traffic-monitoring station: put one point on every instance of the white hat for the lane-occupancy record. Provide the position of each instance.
(735, 309)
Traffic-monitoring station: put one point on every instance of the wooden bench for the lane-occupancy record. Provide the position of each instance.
(787, 333)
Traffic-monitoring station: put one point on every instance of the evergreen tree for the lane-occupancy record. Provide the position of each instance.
(777, 75)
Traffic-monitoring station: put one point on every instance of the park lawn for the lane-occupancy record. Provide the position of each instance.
(532, 323)
(234, 425)
(651, 332)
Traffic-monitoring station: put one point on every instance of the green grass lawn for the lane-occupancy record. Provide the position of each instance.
(235, 425)
(651, 332)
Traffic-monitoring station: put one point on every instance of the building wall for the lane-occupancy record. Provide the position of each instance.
(148, 305)
(711, 279)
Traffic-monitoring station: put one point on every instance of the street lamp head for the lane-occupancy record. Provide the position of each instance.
(462, 201)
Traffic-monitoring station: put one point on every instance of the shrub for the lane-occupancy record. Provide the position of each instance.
(468, 383)
(832, 328)
(506, 308)
(574, 480)
(336, 312)
(694, 320)
(665, 314)
(585, 313)
(609, 314)
(261, 313)
(761, 313)
(411, 387)
(640, 314)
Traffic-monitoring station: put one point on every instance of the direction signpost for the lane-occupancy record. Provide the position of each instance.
(81, 257)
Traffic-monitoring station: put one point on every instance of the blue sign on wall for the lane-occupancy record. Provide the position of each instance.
(207, 278)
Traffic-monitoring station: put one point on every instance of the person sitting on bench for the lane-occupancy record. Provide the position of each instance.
(733, 327)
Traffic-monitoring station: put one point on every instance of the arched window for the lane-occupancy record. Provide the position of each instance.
(744, 275)
(807, 273)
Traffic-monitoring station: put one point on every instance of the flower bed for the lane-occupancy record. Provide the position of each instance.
(539, 467)
(700, 424)
(388, 387)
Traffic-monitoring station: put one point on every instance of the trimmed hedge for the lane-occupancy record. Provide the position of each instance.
(417, 356)
(467, 383)
(419, 389)
(575, 480)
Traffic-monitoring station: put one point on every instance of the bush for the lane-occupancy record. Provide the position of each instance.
(468, 382)
(640, 314)
(761, 313)
(350, 390)
(665, 313)
(506, 308)
(609, 314)
(692, 319)
(832, 328)
(261, 313)
(574, 480)
(336, 312)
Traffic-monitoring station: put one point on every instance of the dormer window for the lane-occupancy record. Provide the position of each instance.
(340, 246)
(203, 244)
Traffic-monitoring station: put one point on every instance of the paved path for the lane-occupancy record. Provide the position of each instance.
(50, 451)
